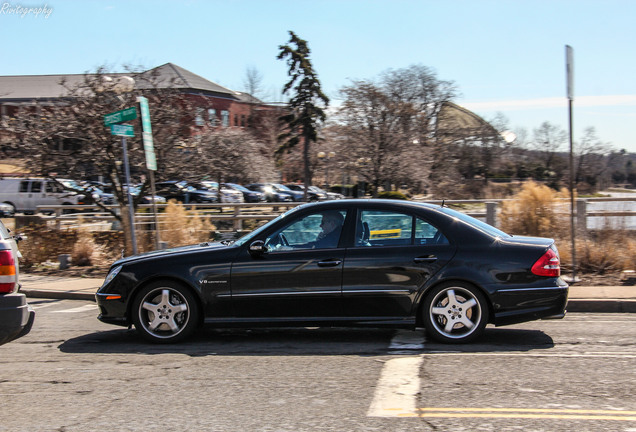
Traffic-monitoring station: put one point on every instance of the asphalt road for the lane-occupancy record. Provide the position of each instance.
(73, 373)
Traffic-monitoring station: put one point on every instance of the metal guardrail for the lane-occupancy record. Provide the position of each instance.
(487, 210)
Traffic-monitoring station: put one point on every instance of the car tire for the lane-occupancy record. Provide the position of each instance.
(455, 312)
(165, 312)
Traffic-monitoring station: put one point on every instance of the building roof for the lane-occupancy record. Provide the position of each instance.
(21, 88)
(173, 76)
(453, 118)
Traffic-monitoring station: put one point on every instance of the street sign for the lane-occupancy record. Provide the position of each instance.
(122, 130)
(569, 70)
(149, 147)
(120, 116)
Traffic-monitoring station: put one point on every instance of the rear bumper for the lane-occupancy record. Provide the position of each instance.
(513, 306)
(16, 317)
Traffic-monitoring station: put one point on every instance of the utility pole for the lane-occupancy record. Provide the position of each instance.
(569, 66)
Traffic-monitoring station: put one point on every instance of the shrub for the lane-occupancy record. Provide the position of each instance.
(85, 250)
(535, 211)
(392, 195)
(184, 228)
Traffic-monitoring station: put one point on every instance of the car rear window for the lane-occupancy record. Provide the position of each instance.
(482, 226)
(4, 232)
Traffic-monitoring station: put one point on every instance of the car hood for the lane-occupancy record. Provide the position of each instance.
(168, 252)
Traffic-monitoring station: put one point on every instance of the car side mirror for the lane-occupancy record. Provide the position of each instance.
(257, 248)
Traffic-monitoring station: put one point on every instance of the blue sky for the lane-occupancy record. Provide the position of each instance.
(504, 56)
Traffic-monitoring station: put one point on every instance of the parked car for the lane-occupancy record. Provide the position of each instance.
(280, 188)
(271, 194)
(249, 196)
(97, 193)
(6, 210)
(389, 263)
(26, 194)
(16, 315)
(183, 192)
(225, 193)
(313, 193)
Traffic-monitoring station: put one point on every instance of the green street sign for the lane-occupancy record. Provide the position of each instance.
(122, 130)
(146, 134)
(120, 116)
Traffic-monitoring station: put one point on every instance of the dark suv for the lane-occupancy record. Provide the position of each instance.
(16, 315)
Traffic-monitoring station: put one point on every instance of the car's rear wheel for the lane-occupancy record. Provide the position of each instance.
(165, 312)
(455, 312)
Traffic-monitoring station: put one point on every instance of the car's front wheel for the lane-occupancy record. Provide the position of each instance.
(165, 312)
(455, 313)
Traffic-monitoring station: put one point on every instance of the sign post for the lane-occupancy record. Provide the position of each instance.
(151, 160)
(569, 70)
(113, 120)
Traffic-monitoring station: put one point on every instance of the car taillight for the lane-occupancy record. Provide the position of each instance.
(7, 272)
(548, 265)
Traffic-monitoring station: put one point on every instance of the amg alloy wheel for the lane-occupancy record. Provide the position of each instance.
(165, 312)
(455, 313)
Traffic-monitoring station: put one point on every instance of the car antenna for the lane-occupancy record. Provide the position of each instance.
(443, 201)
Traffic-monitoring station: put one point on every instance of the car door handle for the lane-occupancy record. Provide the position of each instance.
(426, 259)
(329, 263)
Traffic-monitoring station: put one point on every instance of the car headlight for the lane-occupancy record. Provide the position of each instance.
(111, 275)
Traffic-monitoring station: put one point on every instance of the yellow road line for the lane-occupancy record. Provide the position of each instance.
(523, 413)
(532, 410)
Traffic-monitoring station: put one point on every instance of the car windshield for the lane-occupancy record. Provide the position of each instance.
(482, 226)
(258, 230)
(70, 184)
(281, 187)
(4, 232)
(239, 187)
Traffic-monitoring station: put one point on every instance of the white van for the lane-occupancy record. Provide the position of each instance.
(26, 194)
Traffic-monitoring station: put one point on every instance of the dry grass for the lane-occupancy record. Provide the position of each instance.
(535, 211)
(183, 228)
(540, 211)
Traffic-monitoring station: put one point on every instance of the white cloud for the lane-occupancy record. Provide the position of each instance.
(554, 102)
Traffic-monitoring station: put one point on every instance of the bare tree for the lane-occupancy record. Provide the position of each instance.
(548, 139)
(591, 161)
(253, 82)
(234, 155)
(71, 140)
(390, 124)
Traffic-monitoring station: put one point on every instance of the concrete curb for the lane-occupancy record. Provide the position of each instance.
(64, 295)
(601, 305)
(574, 305)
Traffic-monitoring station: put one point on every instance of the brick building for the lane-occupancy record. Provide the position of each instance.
(216, 106)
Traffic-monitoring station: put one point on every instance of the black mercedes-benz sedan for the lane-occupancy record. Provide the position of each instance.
(343, 263)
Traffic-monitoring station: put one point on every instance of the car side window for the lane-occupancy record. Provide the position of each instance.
(386, 228)
(314, 231)
(24, 186)
(36, 187)
(427, 234)
(383, 228)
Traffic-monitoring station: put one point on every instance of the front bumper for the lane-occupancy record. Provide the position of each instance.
(112, 309)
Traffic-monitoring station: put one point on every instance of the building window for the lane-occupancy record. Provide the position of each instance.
(212, 117)
(242, 120)
(236, 121)
(225, 118)
(198, 117)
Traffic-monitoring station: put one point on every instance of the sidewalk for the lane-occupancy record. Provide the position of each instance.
(598, 299)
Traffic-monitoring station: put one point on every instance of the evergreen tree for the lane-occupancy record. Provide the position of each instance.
(306, 111)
